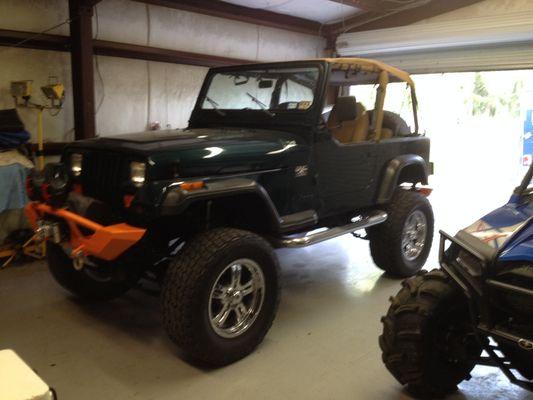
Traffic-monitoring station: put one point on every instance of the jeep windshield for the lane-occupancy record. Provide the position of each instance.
(270, 90)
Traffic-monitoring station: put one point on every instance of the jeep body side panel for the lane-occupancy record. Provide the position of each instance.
(176, 200)
(353, 176)
(344, 175)
(398, 162)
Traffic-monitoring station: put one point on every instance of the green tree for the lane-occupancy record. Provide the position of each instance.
(513, 104)
(479, 86)
(480, 97)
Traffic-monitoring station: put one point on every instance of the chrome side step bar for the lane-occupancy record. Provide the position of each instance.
(365, 221)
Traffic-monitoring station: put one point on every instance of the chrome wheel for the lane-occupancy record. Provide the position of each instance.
(236, 298)
(414, 235)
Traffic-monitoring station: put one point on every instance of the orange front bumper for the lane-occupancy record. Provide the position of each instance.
(106, 242)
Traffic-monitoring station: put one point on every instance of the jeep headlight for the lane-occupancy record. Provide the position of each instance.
(137, 173)
(76, 160)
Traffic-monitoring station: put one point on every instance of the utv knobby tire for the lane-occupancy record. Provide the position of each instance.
(78, 282)
(187, 287)
(427, 341)
(386, 238)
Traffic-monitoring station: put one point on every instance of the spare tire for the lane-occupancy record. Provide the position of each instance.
(393, 122)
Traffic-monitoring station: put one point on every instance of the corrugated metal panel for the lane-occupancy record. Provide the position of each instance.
(492, 58)
(483, 43)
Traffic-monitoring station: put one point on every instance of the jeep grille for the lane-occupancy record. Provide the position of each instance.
(103, 176)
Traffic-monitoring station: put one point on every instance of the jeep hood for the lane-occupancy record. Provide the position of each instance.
(206, 151)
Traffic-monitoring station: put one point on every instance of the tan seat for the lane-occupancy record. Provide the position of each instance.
(386, 133)
(349, 121)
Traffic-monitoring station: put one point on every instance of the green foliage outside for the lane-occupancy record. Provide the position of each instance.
(483, 102)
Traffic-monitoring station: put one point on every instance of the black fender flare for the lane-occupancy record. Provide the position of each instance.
(176, 200)
(393, 170)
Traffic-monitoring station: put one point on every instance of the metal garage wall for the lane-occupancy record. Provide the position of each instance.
(498, 42)
(130, 93)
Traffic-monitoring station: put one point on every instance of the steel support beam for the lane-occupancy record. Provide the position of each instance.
(116, 49)
(31, 40)
(125, 50)
(82, 68)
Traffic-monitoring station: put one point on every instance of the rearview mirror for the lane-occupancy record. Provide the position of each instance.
(266, 84)
(240, 80)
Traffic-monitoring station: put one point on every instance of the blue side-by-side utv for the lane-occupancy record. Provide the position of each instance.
(477, 309)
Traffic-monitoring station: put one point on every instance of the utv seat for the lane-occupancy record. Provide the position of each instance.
(348, 121)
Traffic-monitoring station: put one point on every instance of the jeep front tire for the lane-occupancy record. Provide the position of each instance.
(401, 245)
(220, 296)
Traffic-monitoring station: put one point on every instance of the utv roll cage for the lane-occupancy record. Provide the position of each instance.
(522, 188)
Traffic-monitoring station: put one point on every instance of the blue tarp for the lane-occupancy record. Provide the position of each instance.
(12, 186)
(12, 131)
(12, 140)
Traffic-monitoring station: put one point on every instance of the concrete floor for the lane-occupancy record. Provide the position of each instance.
(323, 344)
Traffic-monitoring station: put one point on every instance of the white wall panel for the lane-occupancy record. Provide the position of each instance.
(125, 104)
(173, 92)
(121, 21)
(181, 30)
(33, 15)
(127, 100)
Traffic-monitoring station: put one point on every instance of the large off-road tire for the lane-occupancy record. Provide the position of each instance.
(85, 284)
(401, 245)
(427, 341)
(220, 296)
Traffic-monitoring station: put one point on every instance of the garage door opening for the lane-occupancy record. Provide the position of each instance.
(480, 125)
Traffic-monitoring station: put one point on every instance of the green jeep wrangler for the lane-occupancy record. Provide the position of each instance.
(275, 155)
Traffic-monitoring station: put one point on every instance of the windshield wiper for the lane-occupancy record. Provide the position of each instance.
(263, 106)
(215, 106)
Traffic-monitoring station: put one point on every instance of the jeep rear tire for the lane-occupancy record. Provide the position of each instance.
(428, 342)
(401, 245)
(96, 285)
(220, 296)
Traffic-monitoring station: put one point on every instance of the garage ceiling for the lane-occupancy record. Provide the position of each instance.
(327, 18)
(323, 11)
